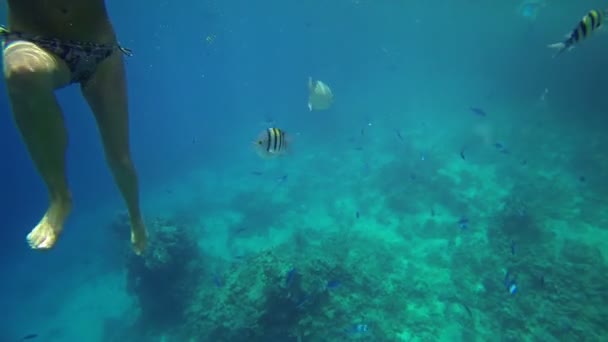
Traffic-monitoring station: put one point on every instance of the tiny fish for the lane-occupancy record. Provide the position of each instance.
(462, 154)
(512, 247)
(463, 223)
(478, 111)
(510, 283)
(240, 230)
(587, 25)
(257, 173)
(333, 284)
(501, 147)
(290, 276)
(29, 337)
(358, 329)
(217, 281)
(513, 287)
(542, 281)
(582, 179)
(398, 134)
(357, 214)
(271, 142)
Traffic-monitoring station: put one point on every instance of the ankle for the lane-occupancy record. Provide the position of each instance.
(137, 221)
(63, 201)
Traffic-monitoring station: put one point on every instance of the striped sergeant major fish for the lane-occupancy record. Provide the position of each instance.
(271, 142)
(588, 24)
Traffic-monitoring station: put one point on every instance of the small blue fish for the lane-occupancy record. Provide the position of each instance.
(512, 247)
(478, 111)
(463, 223)
(501, 148)
(398, 134)
(357, 214)
(513, 287)
(217, 281)
(290, 276)
(358, 329)
(333, 284)
(507, 278)
(462, 156)
(542, 281)
(510, 283)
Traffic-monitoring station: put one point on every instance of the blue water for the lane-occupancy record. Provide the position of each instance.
(413, 67)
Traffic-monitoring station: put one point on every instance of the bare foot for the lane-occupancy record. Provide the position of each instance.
(45, 234)
(139, 236)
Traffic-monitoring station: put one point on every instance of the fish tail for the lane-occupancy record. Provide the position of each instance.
(559, 47)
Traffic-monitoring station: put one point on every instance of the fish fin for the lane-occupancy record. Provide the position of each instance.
(560, 47)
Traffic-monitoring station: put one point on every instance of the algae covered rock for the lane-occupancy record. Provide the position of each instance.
(330, 294)
(164, 278)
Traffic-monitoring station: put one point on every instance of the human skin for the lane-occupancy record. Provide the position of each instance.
(32, 74)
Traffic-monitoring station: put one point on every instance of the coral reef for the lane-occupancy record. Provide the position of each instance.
(164, 279)
(276, 296)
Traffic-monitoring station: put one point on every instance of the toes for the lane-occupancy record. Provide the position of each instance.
(40, 239)
(138, 245)
(47, 242)
(33, 239)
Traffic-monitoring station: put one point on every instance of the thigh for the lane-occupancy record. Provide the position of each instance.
(106, 94)
(24, 60)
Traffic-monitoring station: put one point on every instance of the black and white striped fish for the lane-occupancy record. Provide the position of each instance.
(588, 24)
(271, 142)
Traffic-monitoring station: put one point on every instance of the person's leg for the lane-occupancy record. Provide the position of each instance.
(106, 93)
(32, 75)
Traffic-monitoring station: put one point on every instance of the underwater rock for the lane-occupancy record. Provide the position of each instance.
(163, 280)
(316, 294)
